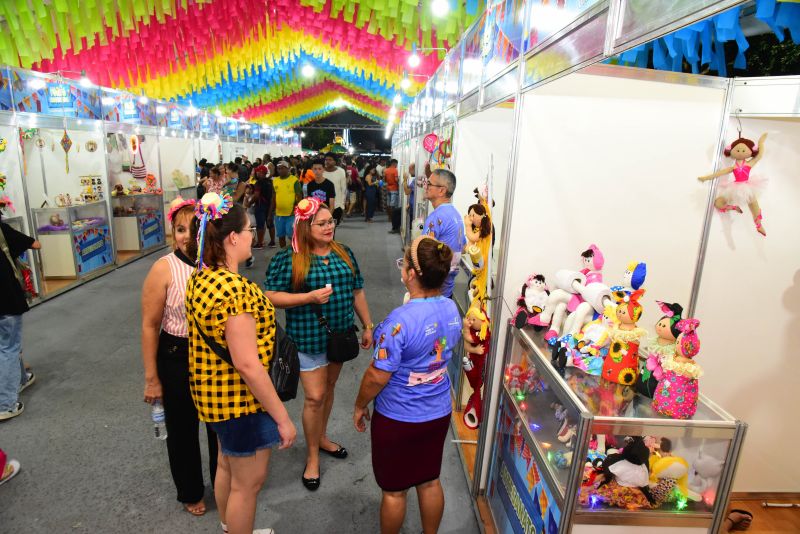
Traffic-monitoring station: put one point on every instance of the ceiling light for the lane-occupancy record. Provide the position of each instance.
(405, 83)
(36, 83)
(85, 81)
(217, 112)
(308, 70)
(191, 111)
(302, 134)
(396, 99)
(414, 60)
(161, 109)
(143, 99)
(440, 8)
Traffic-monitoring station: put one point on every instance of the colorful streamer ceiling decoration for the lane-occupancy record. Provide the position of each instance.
(244, 57)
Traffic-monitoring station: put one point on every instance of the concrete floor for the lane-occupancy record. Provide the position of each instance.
(90, 463)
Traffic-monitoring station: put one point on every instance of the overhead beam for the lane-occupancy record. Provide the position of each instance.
(341, 126)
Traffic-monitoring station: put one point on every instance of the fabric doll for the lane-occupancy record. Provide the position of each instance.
(592, 343)
(744, 189)
(633, 278)
(568, 285)
(660, 348)
(705, 470)
(667, 473)
(622, 363)
(478, 227)
(677, 392)
(629, 467)
(531, 300)
(477, 340)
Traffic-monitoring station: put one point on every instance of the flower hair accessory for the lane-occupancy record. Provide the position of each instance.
(176, 205)
(5, 202)
(305, 210)
(210, 208)
(689, 342)
(631, 299)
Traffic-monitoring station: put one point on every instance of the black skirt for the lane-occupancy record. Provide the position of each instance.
(405, 455)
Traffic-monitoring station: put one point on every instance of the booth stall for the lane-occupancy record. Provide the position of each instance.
(603, 172)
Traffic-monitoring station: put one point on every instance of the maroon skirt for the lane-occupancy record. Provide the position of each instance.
(405, 455)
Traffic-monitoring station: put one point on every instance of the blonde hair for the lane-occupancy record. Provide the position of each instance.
(301, 260)
(479, 314)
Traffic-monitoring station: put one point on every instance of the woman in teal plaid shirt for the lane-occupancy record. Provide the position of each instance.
(317, 271)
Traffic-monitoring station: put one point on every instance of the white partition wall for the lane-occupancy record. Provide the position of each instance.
(749, 298)
(208, 149)
(177, 153)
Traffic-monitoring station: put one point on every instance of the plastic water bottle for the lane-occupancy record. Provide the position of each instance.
(159, 426)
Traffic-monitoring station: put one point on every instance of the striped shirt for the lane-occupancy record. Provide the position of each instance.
(174, 318)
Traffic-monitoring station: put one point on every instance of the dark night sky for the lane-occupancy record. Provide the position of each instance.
(363, 140)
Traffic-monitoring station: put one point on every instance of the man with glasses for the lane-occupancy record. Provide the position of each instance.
(444, 222)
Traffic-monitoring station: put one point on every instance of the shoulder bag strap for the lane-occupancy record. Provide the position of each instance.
(218, 349)
(11, 260)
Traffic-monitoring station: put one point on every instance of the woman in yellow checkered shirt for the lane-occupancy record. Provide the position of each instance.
(227, 311)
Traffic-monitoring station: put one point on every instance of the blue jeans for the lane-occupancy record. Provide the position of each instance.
(10, 361)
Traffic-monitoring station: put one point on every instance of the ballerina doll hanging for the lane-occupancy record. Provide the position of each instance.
(744, 189)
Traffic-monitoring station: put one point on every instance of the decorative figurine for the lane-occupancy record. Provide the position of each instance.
(477, 340)
(677, 392)
(660, 348)
(531, 301)
(622, 363)
(744, 189)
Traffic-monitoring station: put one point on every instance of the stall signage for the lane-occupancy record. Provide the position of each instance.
(233, 128)
(174, 118)
(58, 95)
(151, 230)
(129, 109)
(205, 123)
(255, 133)
(93, 248)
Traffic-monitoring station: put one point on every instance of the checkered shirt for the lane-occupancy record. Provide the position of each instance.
(302, 324)
(212, 296)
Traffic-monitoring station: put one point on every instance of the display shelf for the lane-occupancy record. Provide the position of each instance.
(138, 221)
(563, 420)
(75, 239)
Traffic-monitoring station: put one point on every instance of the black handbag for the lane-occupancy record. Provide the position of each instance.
(342, 346)
(284, 368)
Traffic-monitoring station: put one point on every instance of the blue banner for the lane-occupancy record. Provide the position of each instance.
(58, 96)
(151, 230)
(232, 128)
(174, 118)
(93, 248)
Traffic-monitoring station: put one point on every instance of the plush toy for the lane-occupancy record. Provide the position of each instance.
(478, 227)
(629, 467)
(532, 299)
(705, 470)
(677, 392)
(566, 297)
(592, 343)
(622, 363)
(744, 189)
(477, 340)
(667, 473)
(659, 348)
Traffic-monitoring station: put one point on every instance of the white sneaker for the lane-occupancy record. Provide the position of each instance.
(11, 470)
(264, 531)
(18, 409)
(30, 379)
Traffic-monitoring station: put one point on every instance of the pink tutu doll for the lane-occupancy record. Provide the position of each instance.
(677, 392)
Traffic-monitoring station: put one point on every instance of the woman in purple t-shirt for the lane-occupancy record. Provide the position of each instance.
(409, 383)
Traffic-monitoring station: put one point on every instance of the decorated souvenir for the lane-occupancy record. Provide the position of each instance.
(590, 347)
(531, 301)
(567, 286)
(660, 348)
(56, 220)
(39, 142)
(744, 189)
(66, 144)
(3, 144)
(477, 340)
(150, 185)
(91, 145)
(705, 471)
(669, 479)
(677, 392)
(478, 226)
(622, 363)
(627, 473)
(633, 278)
(5, 202)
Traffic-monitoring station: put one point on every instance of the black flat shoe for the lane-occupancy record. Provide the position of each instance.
(311, 484)
(340, 453)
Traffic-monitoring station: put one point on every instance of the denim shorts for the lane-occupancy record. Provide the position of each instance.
(245, 435)
(284, 225)
(310, 362)
(393, 199)
(263, 218)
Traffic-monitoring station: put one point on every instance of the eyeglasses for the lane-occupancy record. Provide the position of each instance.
(324, 224)
(429, 184)
(399, 262)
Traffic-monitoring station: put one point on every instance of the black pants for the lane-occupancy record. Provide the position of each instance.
(397, 216)
(338, 213)
(183, 439)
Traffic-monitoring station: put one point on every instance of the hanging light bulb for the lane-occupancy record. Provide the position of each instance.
(36, 83)
(143, 99)
(414, 60)
(308, 70)
(217, 113)
(85, 81)
(440, 8)
(405, 83)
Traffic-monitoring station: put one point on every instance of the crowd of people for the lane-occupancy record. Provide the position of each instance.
(209, 333)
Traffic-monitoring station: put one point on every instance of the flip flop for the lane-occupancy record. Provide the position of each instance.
(738, 525)
(197, 513)
(10, 473)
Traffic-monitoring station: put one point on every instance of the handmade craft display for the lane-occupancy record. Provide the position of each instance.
(661, 347)
(678, 390)
(477, 339)
(744, 189)
(478, 227)
(621, 365)
(531, 301)
(66, 144)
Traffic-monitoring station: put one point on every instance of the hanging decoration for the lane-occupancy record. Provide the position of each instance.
(66, 144)
(430, 143)
(133, 143)
(3, 144)
(91, 145)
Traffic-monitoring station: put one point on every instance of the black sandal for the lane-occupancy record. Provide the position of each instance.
(311, 484)
(737, 525)
(340, 453)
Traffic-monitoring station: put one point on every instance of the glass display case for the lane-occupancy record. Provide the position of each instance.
(188, 192)
(76, 240)
(556, 434)
(138, 221)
